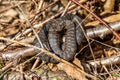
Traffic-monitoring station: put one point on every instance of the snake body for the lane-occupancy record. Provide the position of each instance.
(52, 33)
(70, 42)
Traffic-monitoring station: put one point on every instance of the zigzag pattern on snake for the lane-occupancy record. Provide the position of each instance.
(52, 33)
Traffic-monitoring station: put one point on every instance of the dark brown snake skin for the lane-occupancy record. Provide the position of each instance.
(52, 33)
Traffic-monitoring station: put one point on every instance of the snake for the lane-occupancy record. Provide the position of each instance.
(53, 32)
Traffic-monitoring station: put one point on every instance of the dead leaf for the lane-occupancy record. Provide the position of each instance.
(71, 71)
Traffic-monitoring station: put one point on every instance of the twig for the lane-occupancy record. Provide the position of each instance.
(88, 40)
(36, 35)
(2, 74)
(40, 4)
(107, 71)
(14, 54)
(105, 44)
(107, 61)
(6, 67)
(28, 40)
(86, 37)
(22, 73)
(35, 64)
(66, 8)
(101, 31)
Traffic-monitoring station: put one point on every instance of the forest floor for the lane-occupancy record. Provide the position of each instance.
(97, 58)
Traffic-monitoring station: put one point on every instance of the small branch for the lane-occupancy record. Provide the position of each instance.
(15, 54)
(101, 31)
(35, 64)
(6, 67)
(66, 8)
(107, 61)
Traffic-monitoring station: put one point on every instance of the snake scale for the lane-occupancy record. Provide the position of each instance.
(52, 33)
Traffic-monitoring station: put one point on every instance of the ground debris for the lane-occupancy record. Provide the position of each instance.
(96, 58)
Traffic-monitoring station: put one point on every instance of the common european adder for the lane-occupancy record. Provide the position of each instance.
(61, 36)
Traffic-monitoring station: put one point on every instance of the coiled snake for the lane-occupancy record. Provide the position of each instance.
(52, 33)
